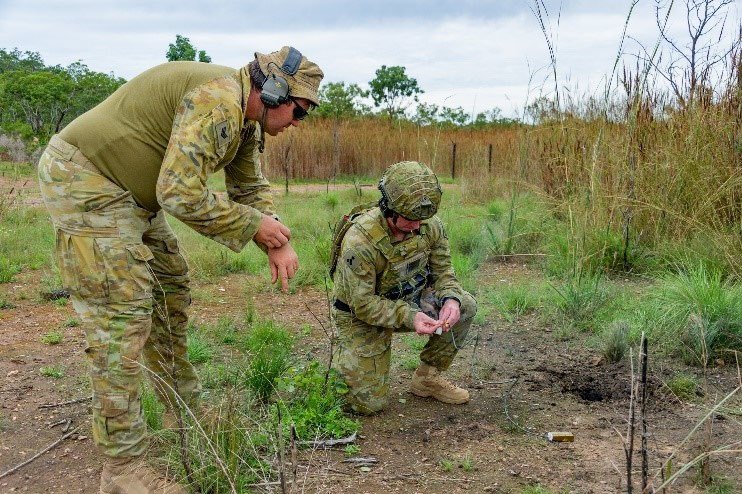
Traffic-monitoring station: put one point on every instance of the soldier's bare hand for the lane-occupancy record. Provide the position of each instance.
(284, 264)
(424, 324)
(272, 233)
(449, 314)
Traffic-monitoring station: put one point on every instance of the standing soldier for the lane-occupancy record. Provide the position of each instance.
(107, 180)
(393, 266)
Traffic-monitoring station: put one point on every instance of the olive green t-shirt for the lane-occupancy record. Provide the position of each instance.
(126, 135)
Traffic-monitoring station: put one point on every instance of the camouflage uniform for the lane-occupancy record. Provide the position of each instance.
(117, 254)
(379, 287)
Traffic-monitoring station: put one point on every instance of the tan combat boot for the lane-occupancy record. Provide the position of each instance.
(427, 381)
(132, 476)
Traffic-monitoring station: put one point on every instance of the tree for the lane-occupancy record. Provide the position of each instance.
(691, 62)
(454, 116)
(338, 100)
(182, 49)
(16, 60)
(394, 90)
(426, 114)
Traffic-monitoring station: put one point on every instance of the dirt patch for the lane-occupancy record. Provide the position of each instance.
(524, 382)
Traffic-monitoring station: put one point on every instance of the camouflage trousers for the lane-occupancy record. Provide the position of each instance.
(363, 354)
(128, 283)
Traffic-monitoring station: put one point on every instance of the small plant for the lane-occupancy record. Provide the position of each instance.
(615, 341)
(7, 271)
(306, 330)
(53, 371)
(683, 386)
(446, 465)
(52, 338)
(269, 347)
(71, 323)
(352, 450)
(331, 200)
(316, 403)
(580, 299)
(5, 304)
(514, 301)
(60, 302)
(467, 464)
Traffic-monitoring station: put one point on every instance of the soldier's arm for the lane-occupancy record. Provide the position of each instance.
(244, 178)
(355, 284)
(446, 284)
(192, 155)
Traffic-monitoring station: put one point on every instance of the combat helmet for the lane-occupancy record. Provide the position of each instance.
(411, 190)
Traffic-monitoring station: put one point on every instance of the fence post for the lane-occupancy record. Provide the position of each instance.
(489, 159)
(453, 160)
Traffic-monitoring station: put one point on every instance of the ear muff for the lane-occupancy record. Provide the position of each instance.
(275, 89)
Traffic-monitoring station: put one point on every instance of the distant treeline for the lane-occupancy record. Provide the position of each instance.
(38, 100)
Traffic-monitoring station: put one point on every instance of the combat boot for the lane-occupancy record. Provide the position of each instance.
(132, 476)
(427, 381)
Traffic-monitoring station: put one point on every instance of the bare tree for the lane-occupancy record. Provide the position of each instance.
(690, 62)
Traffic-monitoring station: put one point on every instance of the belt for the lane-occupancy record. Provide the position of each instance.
(340, 305)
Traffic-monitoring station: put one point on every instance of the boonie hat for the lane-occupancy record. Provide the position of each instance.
(303, 84)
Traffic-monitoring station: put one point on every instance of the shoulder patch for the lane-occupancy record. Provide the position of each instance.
(223, 135)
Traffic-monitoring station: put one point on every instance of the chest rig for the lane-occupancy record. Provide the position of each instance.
(405, 272)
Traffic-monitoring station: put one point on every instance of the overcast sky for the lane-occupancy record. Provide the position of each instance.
(474, 54)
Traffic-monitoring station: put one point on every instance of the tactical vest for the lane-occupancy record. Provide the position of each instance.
(405, 274)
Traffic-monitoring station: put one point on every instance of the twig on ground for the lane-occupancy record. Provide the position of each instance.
(66, 403)
(51, 446)
(329, 443)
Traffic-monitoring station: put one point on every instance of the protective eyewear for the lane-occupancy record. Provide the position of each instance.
(299, 112)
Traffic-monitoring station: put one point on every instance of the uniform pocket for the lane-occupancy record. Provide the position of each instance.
(81, 265)
(111, 405)
(126, 268)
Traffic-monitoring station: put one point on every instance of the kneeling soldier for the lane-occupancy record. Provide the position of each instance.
(392, 272)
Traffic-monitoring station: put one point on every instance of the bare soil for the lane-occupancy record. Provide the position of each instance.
(524, 380)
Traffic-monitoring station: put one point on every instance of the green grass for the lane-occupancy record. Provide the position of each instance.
(200, 350)
(26, 241)
(446, 465)
(516, 300)
(52, 338)
(53, 371)
(268, 346)
(697, 314)
(71, 322)
(683, 386)
(614, 341)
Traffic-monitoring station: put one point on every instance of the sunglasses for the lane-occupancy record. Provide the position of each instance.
(299, 112)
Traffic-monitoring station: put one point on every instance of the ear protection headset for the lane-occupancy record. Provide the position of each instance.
(275, 89)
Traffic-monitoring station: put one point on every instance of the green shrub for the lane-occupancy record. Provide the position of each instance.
(513, 301)
(315, 406)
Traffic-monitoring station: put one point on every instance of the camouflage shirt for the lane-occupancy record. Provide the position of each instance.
(372, 262)
(165, 132)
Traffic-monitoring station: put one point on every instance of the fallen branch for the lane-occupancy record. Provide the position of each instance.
(361, 461)
(51, 446)
(66, 403)
(329, 443)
